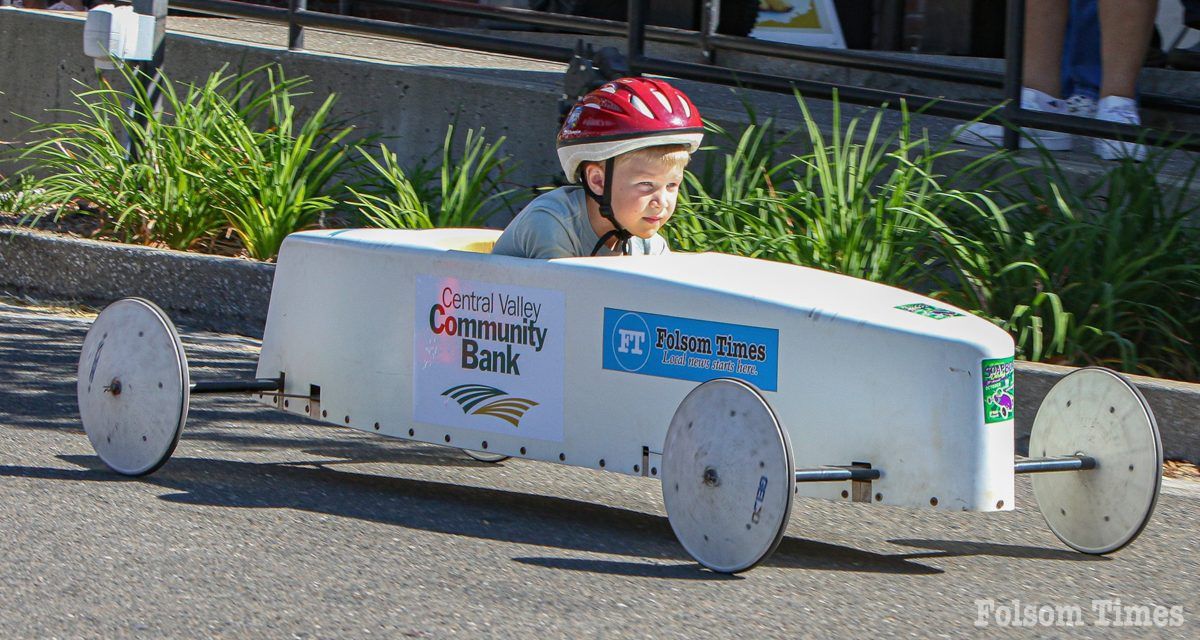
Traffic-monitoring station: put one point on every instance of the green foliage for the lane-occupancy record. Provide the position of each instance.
(464, 191)
(1107, 274)
(280, 180)
(861, 203)
(730, 205)
(21, 196)
(398, 201)
(854, 205)
(162, 193)
(179, 176)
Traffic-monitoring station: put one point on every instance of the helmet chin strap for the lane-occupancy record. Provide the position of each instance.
(606, 212)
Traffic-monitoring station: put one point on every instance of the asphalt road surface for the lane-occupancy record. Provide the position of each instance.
(262, 525)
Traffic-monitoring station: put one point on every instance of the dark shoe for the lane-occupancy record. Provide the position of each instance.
(1185, 59)
(1191, 13)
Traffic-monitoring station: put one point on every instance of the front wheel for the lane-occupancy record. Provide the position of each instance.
(1097, 413)
(727, 476)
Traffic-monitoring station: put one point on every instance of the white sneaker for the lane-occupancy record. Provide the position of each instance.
(1118, 109)
(992, 135)
(1080, 105)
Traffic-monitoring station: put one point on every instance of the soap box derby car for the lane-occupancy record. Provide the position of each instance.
(739, 383)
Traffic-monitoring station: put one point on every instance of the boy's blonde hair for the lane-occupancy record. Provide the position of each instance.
(671, 156)
(674, 156)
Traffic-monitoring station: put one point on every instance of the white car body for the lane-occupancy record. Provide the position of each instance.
(557, 371)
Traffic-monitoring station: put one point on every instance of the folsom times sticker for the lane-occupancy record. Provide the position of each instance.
(489, 357)
(998, 390)
(689, 349)
(929, 311)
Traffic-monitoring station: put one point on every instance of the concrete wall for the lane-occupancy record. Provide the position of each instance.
(409, 105)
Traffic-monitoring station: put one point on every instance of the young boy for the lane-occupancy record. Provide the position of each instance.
(627, 143)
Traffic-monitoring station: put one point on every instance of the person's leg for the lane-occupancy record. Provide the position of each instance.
(1125, 27)
(1081, 52)
(1045, 28)
(1124, 34)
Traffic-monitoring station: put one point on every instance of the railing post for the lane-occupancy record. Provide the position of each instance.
(1014, 56)
(710, 21)
(637, 31)
(148, 72)
(295, 31)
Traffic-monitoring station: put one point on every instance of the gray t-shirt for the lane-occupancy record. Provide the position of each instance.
(555, 225)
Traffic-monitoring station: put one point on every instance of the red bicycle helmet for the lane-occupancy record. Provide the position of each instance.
(624, 115)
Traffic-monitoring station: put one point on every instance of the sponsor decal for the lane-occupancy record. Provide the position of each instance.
(489, 357)
(689, 349)
(929, 311)
(758, 500)
(999, 401)
(474, 399)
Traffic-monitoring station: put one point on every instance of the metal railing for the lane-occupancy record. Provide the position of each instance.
(636, 32)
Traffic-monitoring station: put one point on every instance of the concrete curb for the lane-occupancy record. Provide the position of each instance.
(1176, 407)
(207, 292)
(232, 295)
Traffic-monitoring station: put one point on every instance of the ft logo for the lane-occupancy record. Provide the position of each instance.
(630, 342)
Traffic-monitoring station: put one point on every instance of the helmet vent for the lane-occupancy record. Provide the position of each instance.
(663, 99)
(609, 88)
(687, 111)
(640, 106)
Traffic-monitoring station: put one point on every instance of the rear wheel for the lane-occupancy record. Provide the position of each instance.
(727, 476)
(133, 386)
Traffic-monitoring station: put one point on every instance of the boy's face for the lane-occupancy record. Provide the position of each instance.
(643, 195)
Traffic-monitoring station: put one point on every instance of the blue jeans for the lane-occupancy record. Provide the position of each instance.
(1081, 51)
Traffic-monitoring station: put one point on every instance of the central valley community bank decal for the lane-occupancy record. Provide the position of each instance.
(689, 349)
(489, 357)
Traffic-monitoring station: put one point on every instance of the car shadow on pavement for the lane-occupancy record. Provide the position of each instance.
(675, 571)
(956, 548)
(472, 511)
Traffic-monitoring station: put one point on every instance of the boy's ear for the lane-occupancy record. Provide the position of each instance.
(593, 176)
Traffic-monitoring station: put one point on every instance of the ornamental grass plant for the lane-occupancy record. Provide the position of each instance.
(1107, 274)
(280, 179)
(154, 195)
(465, 190)
(854, 204)
(227, 153)
(21, 196)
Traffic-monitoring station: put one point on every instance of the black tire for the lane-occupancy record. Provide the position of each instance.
(737, 16)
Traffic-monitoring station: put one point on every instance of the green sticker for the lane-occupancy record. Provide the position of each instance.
(998, 390)
(928, 310)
